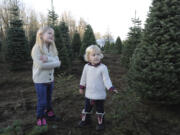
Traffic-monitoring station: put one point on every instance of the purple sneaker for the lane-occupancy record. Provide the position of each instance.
(39, 122)
(50, 114)
(44, 122)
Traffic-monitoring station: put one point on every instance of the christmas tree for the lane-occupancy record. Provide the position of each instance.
(155, 67)
(88, 39)
(17, 48)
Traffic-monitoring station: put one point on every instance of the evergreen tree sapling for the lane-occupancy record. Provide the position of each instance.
(76, 44)
(17, 47)
(88, 39)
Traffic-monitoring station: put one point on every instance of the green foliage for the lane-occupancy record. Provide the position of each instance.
(32, 39)
(118, 45)
(14, 129)
(109, 47)
(52, 18)
(69, 83)
(17, 48)
(38, 130)
(3, 51)
(88, 39)
(134, 38)
(113, 48)
(155, 67)
(62, 49)
(125, 103)
(63, 78)
(76, 44)
(64, 30)
(62, 41)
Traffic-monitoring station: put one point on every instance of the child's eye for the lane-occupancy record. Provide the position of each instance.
(97, 54)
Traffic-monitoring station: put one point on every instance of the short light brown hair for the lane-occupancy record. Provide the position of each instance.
(92, 48)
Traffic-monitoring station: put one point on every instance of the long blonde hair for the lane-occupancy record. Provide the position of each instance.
(39, 42)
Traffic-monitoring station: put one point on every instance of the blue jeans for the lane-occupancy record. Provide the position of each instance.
(44, 97)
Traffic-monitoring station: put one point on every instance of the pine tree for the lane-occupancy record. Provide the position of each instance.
(17, 48)
(64, 31)
(155, 67)
(62, 49)
(134, 38)
(107, 46)
(52, 18)
(32, 38)
(76, 44)
(88, 39)
(118, 45)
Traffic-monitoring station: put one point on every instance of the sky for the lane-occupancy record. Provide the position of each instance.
(104, 16)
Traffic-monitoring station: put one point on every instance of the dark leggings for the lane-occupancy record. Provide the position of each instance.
(98, 103)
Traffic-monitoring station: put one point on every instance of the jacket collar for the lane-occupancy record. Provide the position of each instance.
(96, 65)
(46, 49)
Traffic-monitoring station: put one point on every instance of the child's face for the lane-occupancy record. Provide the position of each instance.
(94, 57)
(48, 36)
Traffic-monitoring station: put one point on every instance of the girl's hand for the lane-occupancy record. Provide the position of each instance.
(115, 91)
(81, 91)
(44, 58)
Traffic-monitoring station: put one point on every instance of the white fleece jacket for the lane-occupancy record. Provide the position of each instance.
(95, 80)
(43, 72)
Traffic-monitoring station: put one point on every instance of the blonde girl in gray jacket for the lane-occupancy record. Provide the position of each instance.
(45, 59)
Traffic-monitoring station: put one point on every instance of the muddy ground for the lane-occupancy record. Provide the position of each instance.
(125, 113)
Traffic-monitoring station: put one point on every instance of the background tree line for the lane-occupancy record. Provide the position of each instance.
(18, 29)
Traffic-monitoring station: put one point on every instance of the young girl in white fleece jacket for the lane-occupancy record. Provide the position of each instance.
(94, 80)
(45, 59)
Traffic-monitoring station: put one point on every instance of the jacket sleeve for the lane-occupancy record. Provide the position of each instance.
(106, 79)
(52, 63)
(49, 65)
(83, 78)
(50, 58)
